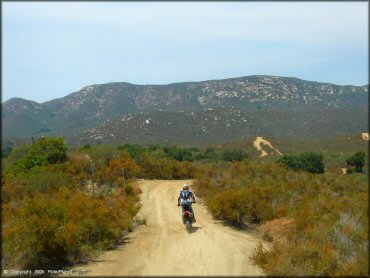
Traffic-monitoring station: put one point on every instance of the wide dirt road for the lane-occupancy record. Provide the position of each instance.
(164, 247)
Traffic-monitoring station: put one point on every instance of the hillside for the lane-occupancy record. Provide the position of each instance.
(215, 110)
(335, 150)
(23, 117)
(224, 125)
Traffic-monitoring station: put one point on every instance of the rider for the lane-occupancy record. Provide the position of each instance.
(186, 195)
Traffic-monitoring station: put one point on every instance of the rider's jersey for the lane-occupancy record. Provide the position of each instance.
(186, 195)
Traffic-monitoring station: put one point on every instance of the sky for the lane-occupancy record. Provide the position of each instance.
(51, 49)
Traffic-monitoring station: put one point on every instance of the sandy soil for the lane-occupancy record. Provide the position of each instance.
(164, 247)
(260, 141)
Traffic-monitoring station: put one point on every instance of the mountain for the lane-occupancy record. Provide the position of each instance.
(224, 125)
(119, 112)
(22, 117)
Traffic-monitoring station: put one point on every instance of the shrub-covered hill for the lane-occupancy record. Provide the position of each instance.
(243, 106)
(225, 125)
(335, 150)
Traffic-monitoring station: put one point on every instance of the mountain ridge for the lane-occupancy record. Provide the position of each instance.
(93, 105)
(365, 86)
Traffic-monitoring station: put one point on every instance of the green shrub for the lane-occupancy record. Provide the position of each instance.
(46, 151)
(133, 149)
(233, 155)
(180, 154)
(5, 152)
(356, 162)
(15, 155)
(293, 162)
(308, 161)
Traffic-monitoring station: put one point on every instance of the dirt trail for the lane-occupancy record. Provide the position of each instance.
(164, 247)
(257, 144)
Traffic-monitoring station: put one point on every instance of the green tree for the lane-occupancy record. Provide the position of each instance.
(233, 155)
(180, 154)
(45, 151)
(207, 154)
(154, 147)
(134, 150)
(356, 162)
(48, 151)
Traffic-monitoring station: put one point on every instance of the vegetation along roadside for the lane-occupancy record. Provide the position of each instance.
(62, 206)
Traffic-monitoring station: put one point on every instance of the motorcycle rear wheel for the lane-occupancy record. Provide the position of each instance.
(188, 225)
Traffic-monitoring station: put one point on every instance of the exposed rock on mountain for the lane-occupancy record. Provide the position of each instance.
(213, 110)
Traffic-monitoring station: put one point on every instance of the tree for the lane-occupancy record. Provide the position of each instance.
(209, 153)
(356, 162)
(45, 151)
(233, 155)
(180, 154)
(134, 150)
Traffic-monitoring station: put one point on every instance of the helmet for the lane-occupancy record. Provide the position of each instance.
(185, 186)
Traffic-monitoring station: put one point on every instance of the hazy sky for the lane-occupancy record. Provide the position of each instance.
(51, 49)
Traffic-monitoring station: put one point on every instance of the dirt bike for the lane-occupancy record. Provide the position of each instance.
(188, 218)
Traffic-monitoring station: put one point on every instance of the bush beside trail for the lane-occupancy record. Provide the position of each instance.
(166, 162)
(325, 216)
(63, 207)
(52, 218)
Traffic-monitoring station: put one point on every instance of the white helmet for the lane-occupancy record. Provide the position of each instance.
(185, 186)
